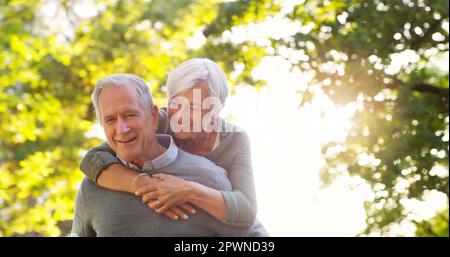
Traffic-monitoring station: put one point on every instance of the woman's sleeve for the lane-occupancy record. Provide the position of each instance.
(163, 123)
(241, 201)
(96, 160)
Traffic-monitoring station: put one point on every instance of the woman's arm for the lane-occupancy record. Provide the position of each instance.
(236, 207)
(96, 160)
(174, 191)
(208, 199)
(241, 201)
(102, 166)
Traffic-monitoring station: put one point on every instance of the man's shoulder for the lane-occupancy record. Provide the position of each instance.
(201, 170)
(187, 159)
(87, 187)
(94, 195)
(86, 182)
(84, 193)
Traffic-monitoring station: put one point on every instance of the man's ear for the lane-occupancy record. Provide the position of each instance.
(155, 117)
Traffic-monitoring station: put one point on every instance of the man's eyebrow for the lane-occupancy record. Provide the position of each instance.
(125, 112)
(108, 117)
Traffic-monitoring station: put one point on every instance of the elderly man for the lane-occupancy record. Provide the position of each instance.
(125, 109)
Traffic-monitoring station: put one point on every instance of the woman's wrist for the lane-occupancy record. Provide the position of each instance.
(194, 192)
(208, 199)
(135, 180)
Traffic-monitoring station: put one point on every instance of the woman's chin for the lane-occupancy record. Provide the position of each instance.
(183, 135)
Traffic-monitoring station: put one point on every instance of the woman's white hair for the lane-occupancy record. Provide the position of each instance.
(187, 74)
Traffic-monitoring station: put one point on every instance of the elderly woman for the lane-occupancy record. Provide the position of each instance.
(190, 86)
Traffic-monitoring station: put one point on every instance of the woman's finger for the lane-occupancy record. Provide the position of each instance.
(149, 197)
(172, 215)
(146, 189)
(165, 204)
(187, 207)
(154, 204)
(161, 176)
(179, 212)
(169, 213)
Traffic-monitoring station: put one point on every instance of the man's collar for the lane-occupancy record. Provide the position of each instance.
(168, 157)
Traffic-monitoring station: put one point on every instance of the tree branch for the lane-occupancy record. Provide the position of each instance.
(423, 88)
(428, 33)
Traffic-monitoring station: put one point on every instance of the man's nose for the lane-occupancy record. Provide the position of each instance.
(123, 127)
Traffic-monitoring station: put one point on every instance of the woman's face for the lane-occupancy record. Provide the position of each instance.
(192, 112)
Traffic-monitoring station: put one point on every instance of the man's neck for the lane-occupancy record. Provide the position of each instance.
(154, 151)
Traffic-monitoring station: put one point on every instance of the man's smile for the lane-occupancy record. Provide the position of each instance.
(126, 141)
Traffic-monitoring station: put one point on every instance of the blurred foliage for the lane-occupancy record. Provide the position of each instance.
(437, 226)
(51, 55)
(401, 132)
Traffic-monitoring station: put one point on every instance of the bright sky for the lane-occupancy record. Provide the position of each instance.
(286, 140)
(286, 145)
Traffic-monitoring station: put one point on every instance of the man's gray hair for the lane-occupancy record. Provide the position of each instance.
(187, 74)
(120, 80)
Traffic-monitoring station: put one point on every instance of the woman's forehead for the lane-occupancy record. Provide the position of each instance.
(197, 92)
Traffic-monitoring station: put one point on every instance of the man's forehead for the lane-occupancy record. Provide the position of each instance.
(118, 92)
(119, 99)
(113, 110)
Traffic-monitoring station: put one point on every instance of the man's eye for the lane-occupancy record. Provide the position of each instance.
(109, 121)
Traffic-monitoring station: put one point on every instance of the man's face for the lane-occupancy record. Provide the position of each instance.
(129, 128)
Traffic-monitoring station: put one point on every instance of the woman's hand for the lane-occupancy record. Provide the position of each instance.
(167, 194)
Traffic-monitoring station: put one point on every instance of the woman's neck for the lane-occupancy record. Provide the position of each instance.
(201, 144)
